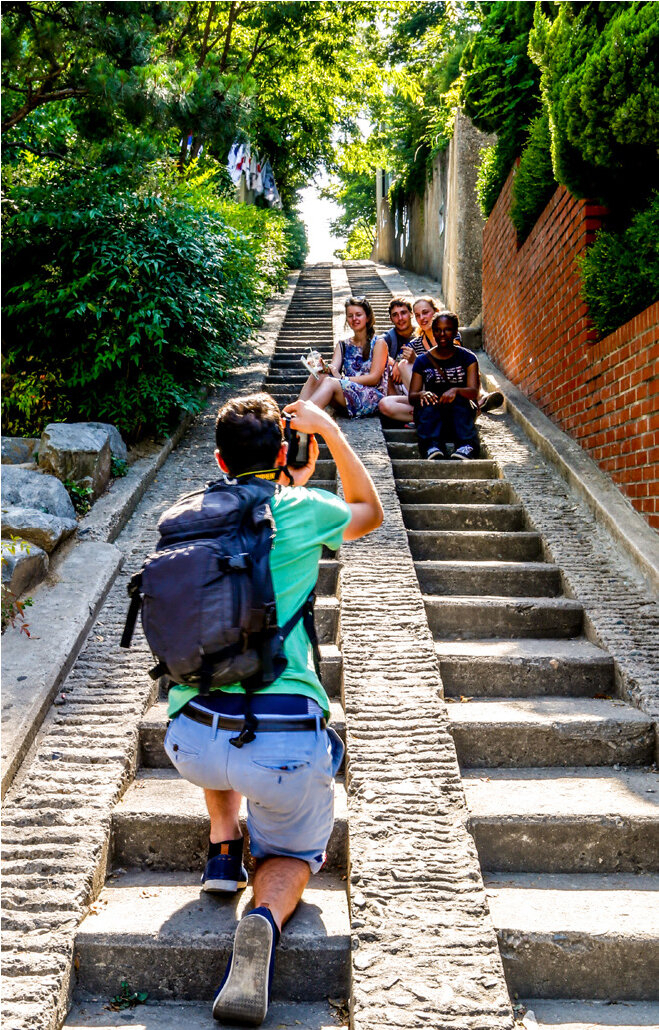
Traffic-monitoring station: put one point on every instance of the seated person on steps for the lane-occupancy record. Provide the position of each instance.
(444, 391)
(396, 404)
(286, 774)
(355, 380)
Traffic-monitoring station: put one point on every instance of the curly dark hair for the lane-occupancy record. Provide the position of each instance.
(400, 302)
(450, 316)
(249, 432)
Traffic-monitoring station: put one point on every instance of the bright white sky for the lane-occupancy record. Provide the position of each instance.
(317, 213)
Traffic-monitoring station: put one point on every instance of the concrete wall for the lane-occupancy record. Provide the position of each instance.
(440, 233)
(603, 392)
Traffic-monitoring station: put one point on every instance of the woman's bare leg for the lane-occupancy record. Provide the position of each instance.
(311, 386)
(328, 392)
(397, 408)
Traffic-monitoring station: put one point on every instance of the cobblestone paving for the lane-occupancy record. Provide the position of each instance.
(57, 814)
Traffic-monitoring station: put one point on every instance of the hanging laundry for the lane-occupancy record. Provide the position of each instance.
(257, 178)
(269, 184)
(251, 174)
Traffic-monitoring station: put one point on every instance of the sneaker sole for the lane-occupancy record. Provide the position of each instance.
(244, 997)
(223, 886)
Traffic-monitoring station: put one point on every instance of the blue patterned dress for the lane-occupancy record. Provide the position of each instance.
(360, 400)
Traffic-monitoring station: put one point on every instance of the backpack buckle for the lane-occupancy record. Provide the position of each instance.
(239, 561)
(269, 616)
(247, 734)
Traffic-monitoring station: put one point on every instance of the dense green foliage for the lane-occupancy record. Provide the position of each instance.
(600, 86)
(353, 188)
(502, 95)
(620, 271)
(422, 50)
(133, 298)
(131, 273)
(572, 89)
(534, 180)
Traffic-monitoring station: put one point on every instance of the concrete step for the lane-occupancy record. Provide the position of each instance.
(493, 578)
(548, 731)
(469, 618)
(424, 469)
(323, 484)
(575, 820)
(325, 469)
(90, 1013)
(161, 823)
(328, 577)
(326, 615)
(473, 545)
(593, 1015)
(502, 517)
(454, 491)
(578, 936)
(524, 667)
(400, 435)
(159, 931)
(154, 725)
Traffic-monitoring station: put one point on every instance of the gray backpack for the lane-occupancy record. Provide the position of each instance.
(206, 597)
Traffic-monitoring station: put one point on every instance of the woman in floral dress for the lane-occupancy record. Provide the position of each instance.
(356, 378)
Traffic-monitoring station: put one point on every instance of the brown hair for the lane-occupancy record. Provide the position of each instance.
(249, 432)
(399, 302)
(428, 300)
(365, 305)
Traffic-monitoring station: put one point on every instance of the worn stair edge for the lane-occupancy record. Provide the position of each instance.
(92, 1013)
(573, 937)
(537, 617)
(524, 666)
(581, 820)
(591, 1015)
(545, 731)
(489, 578)
(162, 823)
(175, 941)
(34, 666)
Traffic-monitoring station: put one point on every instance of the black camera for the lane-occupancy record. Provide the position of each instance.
(298, 445)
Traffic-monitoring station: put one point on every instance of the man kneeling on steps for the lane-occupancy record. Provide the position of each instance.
(285, 773)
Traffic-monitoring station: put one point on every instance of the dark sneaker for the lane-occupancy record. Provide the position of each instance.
(225, 872)
(463, 453)
(244, 993)
(434, 454)
(490, 400)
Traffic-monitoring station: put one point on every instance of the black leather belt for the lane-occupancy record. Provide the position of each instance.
(228, 722)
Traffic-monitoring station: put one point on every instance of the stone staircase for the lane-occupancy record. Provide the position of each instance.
(555, 766)
(151, 925)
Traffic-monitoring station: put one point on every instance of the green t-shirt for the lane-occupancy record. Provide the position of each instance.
(305, 521)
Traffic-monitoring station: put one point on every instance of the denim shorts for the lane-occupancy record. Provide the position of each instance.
(287, 779)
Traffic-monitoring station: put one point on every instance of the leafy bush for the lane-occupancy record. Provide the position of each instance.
(534, 180)
(620, 271)
(359, 244)
(501, 91)
(296, 238)
(600, 85)
(134, 296)
(32, 395)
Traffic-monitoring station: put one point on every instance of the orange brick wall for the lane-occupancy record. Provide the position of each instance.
(604, 393)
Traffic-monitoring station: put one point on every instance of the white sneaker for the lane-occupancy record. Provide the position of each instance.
(463, 453)
(434, 454)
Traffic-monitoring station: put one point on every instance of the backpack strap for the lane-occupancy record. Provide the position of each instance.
(135, 594)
